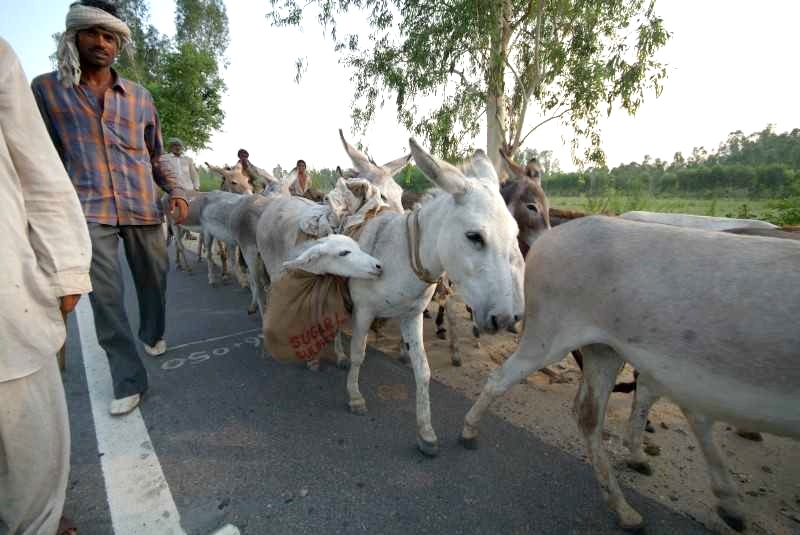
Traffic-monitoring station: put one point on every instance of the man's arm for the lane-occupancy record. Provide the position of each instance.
(57, 227)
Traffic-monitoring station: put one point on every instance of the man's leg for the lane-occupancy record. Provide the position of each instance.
(147, 258)
(34, 452)
(111, 321)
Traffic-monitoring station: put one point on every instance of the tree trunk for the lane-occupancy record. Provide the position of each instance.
(496, 109)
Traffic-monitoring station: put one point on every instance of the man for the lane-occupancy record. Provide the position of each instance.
(182, 166)
(256, 175)
(302, 182)
(45, 262)
(107, 132)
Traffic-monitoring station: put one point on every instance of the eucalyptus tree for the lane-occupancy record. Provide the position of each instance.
(513, 65)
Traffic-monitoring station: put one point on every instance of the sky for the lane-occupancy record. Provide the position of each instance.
(731, 66)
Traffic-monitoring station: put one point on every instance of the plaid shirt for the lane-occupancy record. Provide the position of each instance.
(111, 154)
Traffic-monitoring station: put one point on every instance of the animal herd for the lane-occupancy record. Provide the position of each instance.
(706, 317)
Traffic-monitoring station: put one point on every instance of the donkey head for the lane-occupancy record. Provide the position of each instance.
(233, 180)
(382, 176)
(526, 201)
(339, 255)
(477, 238)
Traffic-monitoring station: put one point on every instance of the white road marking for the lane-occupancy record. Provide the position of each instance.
(139, 498)
(187, 344)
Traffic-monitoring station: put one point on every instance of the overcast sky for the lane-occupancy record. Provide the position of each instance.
(732, 66)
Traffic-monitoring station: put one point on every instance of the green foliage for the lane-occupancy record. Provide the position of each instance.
(565, 59)
(324, 179)
(762, 165)
(412, 179)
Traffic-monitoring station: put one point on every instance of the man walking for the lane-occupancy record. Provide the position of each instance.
(182, 166)
(107, 132)
(44, 267)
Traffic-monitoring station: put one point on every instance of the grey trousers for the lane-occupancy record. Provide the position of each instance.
(34, 452)
(146, 252)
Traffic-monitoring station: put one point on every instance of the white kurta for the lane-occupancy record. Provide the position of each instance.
(185, 171)
(46, 255)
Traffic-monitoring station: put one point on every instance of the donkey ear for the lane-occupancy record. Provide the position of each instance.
(305, 260)
(397, 165)
(516, 170)
(442, 174)
(359, 159)
(483, 167)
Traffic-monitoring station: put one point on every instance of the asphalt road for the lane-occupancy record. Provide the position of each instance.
(271, 448)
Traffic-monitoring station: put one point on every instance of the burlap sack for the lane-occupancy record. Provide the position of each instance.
(305, 311)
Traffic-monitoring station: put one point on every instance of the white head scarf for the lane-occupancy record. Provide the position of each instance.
(80, 17)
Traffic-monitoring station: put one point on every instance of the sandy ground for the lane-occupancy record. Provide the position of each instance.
(767, 474)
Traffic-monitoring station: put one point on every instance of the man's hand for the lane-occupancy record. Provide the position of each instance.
(68, 303)
(178, 209)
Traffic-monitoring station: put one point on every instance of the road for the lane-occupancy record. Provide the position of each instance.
(226, 435)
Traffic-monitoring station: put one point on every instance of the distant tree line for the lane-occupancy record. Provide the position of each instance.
(762, 165)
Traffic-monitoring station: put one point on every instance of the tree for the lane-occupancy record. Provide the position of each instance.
(495, 58)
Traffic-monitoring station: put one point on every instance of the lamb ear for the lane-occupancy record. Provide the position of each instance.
(446, 176)
(359, 159)
(305, 260)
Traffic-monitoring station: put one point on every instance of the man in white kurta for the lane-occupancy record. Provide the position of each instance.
(183, 166)
(44, 266)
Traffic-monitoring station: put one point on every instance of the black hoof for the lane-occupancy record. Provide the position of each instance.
(343, 364)
(251, 310)
(642, 468)
(441, 334)
(512, 329)
(456, 363)
(750, 435)
(426, 314)
(649, 427)
(404, 359)
(468, 443)
(429, 449)
(633, 529)
(735, 521)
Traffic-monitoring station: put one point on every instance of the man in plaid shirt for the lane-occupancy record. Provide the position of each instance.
(106, 130)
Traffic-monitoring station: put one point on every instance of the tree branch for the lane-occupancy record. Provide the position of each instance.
(558, 116)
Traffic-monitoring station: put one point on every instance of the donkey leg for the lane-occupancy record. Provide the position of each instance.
(729, 508)
(208, 242)
(411, 329)
(599, 375)
(518, 366)
(342, 360)
(358, 346)
(643, 399)
(449, 314)
(441, 332)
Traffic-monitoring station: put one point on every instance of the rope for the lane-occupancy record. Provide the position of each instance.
(413, 241)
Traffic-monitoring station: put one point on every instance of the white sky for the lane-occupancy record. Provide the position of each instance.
(732, 66)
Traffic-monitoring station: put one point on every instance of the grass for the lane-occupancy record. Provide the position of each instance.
(767, 209)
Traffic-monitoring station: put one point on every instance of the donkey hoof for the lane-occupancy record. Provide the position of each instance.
(456, 360)
(252, 310)
(343, 364)
(426, 314)
(633, 524)
(404, 359)
(750, 435)
(214, 284)
(468, 443)
(649, 427)
(641, 467)
(441, 334)
(358, 407)
(734, 520)
(428, 448)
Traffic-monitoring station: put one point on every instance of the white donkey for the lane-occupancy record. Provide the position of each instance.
(466, 231)
(706, 316)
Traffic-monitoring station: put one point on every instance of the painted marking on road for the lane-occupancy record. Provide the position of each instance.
(207, 340)
(204, 355)
(139, 497)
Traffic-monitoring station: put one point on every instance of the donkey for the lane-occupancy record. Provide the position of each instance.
(465, 230)
(527, 202)
(702, 314)
(696, 221)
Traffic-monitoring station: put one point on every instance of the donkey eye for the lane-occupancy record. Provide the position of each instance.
(532, 207)
(344, 253)
(475, 237)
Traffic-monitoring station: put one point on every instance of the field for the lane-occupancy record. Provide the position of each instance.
(617, 204)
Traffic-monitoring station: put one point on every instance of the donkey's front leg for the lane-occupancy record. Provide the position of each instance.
(358, 346)
(411, 328)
